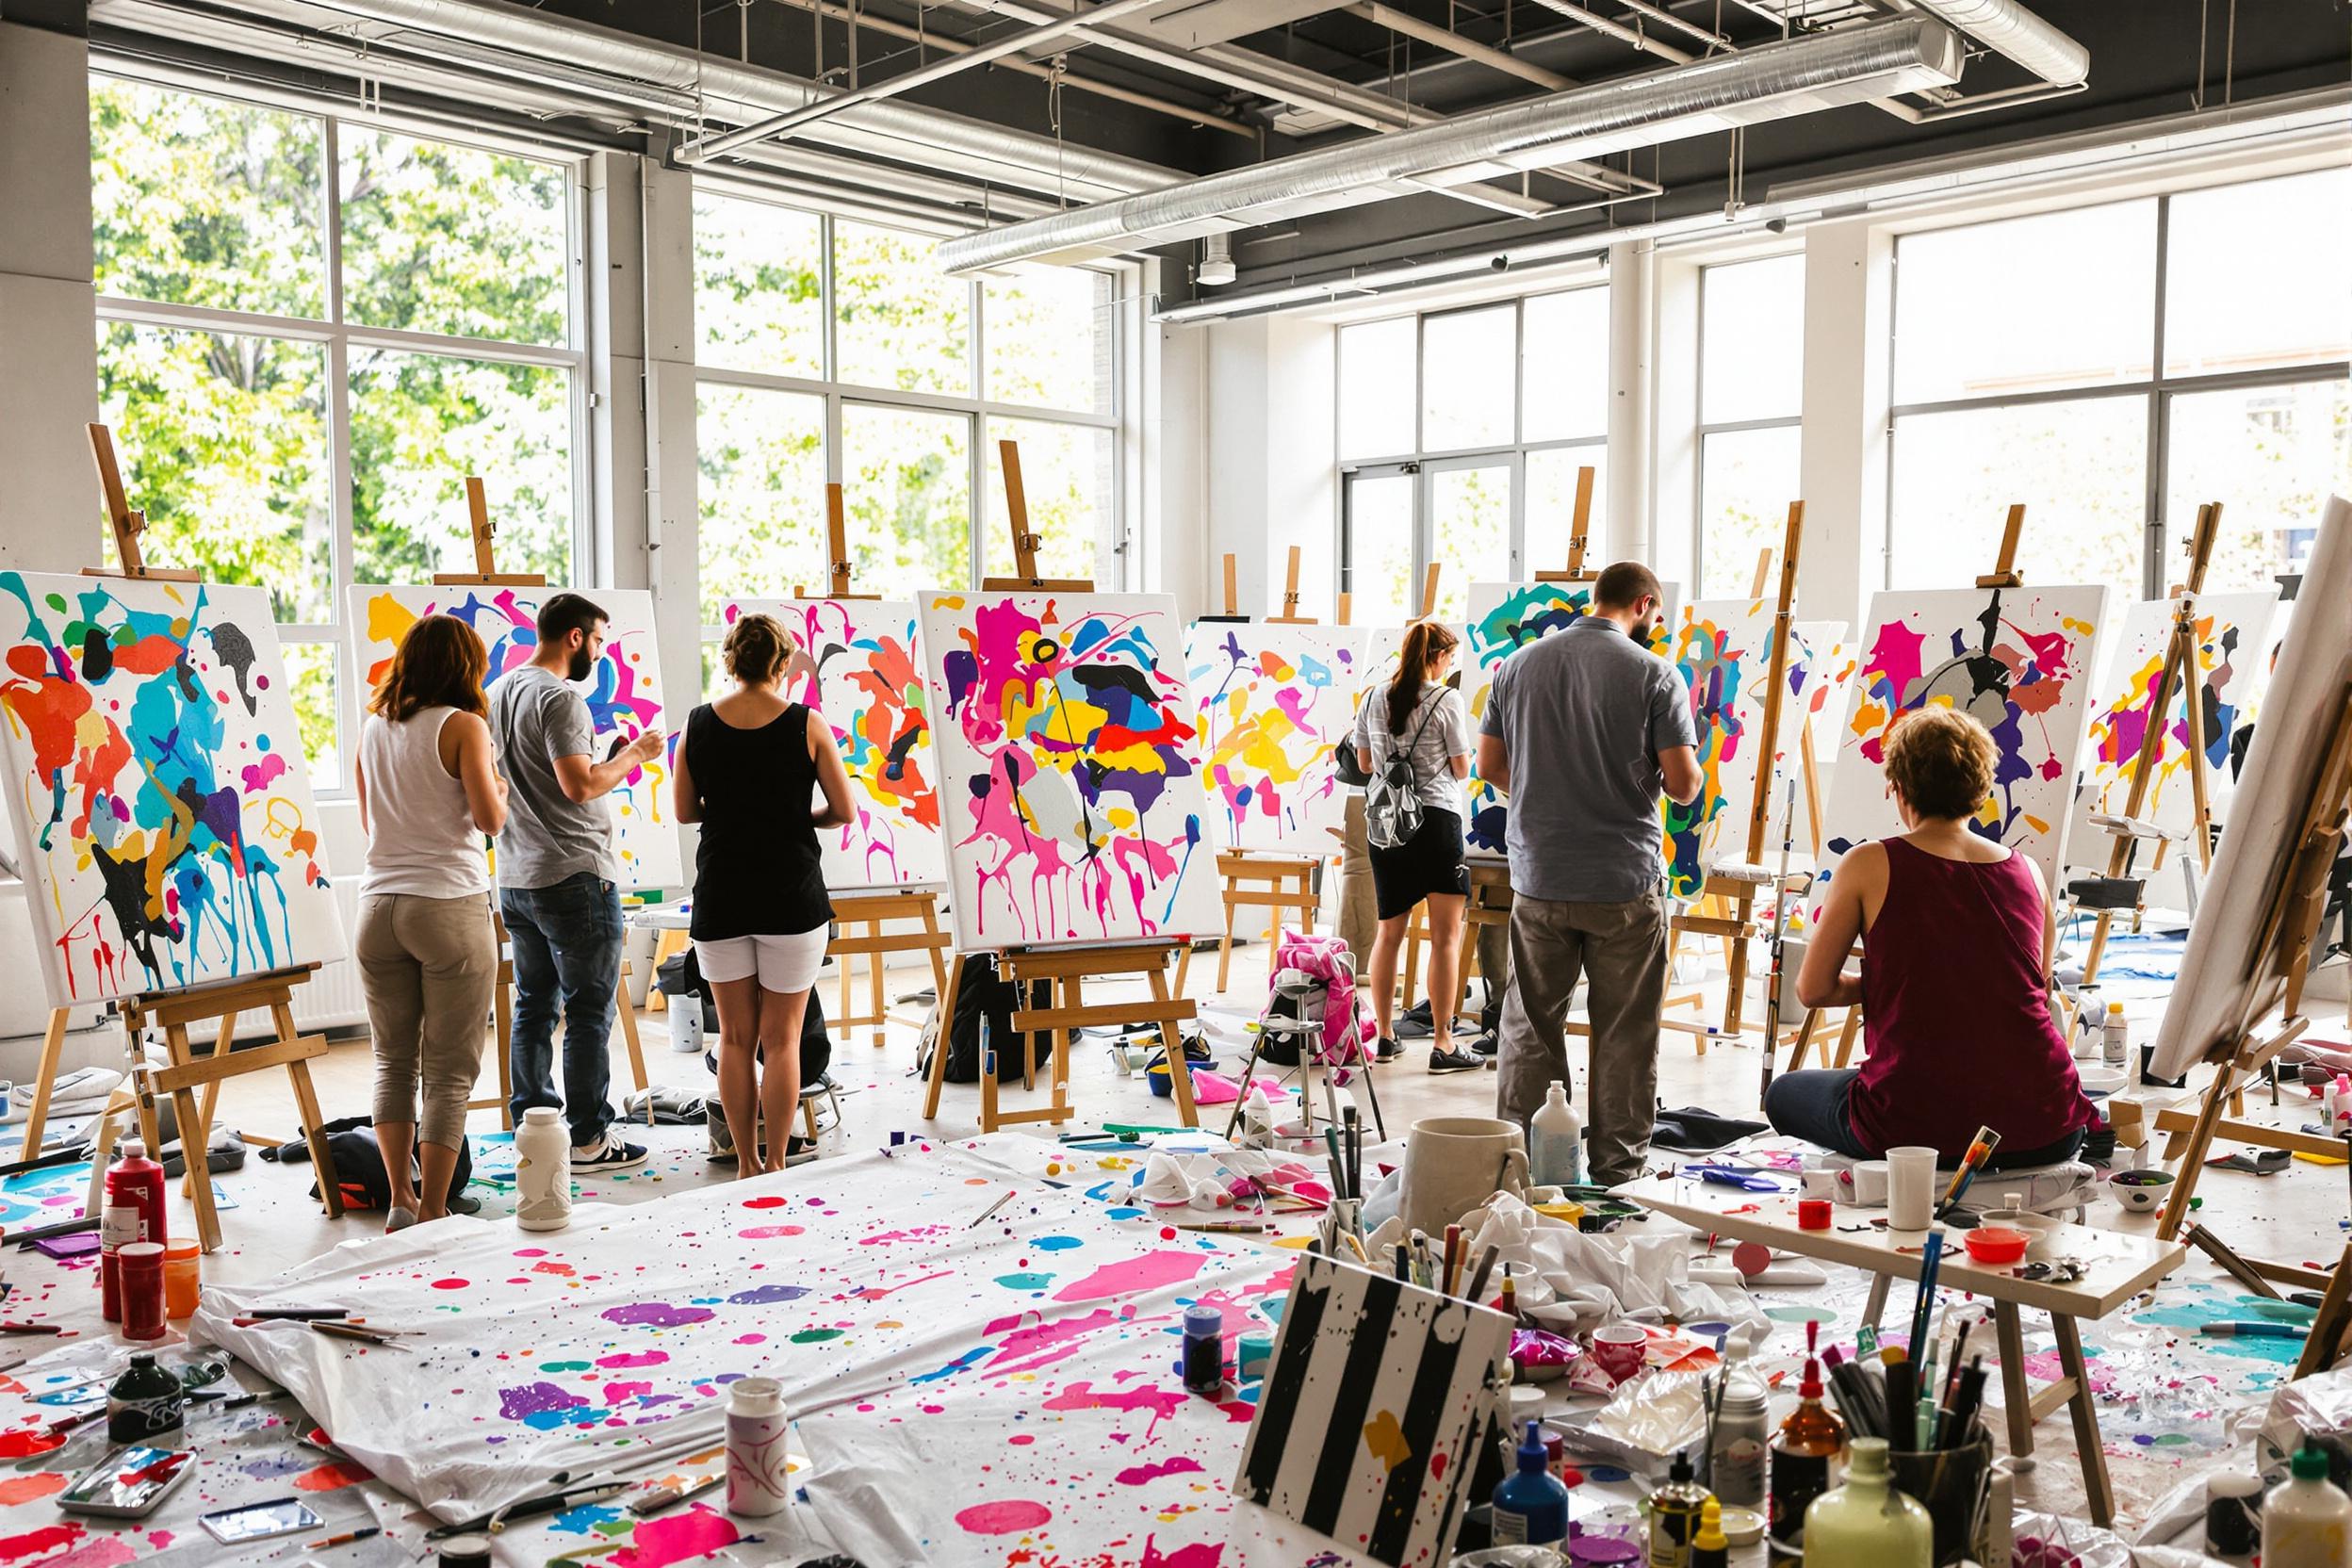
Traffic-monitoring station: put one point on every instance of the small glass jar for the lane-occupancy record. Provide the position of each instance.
(183, 1277)
(141, 1267)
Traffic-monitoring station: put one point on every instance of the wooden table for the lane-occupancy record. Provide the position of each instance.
(2121, 1267)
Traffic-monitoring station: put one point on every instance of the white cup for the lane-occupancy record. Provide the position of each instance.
(1910, 1187)
(1869, 1185)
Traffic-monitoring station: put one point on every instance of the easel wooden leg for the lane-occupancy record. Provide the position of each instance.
(1735, 968)
(194, 1123)
(636, 1047)
(1804, 1038)
(52, 1053)
(1875, 1307)
(2199, 1139)
(2327, 1342)
(175, 1040)
(2096, 1490)
(943, 1013)
(1172, 1040)
(2017, 1395)
(879, 1009)
(1225, 943)
(1846, 1036)
(321, 1158)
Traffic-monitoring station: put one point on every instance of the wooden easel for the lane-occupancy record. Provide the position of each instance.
(1065, 970)
(174, 1011)
(878, 911)
(2003, 575)
(487, 575)
(2175, 679)
(2282, 957)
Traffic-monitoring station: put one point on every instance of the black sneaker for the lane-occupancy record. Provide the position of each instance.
(1385, 1049)
(1453, 1061)
(1487, 1044)
(607, 1154)
(798, 1150)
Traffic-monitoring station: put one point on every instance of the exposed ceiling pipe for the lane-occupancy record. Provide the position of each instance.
(703, 148)
(1619, 31)
(1773, 82)
(1453, 42)
(2008, 28)
(919, 137)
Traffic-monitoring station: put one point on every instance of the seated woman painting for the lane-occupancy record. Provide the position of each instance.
(1954, 988)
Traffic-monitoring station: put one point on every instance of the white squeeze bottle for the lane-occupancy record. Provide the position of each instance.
(2306, 1521)
(1556, 1142)
(2115, 1035)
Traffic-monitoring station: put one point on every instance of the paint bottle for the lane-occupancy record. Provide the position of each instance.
(1803, 1462)
(543, 1170)
(466, 1551)
(1742, 1431)
(145, 1403)
(1531, 1507)
(2115, 1035)
(759, 1471)
(1674, 1515)
(2340, 1104)
(1204, 1351)
(2233, 1514)
(1866, 1523)
(1556, 1142)
(2307, 1520)
(1710, 1547)
(183, 1277)
(135, 1183)
(141, 1265)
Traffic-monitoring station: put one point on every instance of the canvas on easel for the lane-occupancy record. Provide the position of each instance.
(623, 689)
(1723, 650)
(1273, 700)
(1374, 1405)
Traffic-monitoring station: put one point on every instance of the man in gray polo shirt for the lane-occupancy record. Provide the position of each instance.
(1597, 727)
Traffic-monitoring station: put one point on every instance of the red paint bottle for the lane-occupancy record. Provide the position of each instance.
(134, 1183)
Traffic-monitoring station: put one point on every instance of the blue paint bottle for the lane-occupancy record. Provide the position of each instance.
(1204, 1351)
(1531, 1507)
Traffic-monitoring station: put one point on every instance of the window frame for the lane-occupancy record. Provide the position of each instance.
(2159, 530)
(1704, 428)
(1113, 551)
(340, 337)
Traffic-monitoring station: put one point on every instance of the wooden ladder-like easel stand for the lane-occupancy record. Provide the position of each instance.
(174, 1011)
(2177, 679)
(881, 909)
(2003, 575)
(1064, 970)
(487, 575)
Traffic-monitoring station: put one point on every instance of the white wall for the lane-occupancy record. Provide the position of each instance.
(1272, 461)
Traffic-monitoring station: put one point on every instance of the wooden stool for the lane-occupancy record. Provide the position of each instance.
(876, 911)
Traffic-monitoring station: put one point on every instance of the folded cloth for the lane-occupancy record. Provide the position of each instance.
(1697, 1131)
(89, 1082)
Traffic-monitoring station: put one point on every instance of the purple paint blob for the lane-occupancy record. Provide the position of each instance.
(516, 1404)
(656, 1315)
(763, 1295)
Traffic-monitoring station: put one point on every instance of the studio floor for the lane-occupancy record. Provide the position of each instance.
(2173, 1404)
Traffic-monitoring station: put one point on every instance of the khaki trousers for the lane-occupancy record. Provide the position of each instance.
(1359, 910)
(428, 967)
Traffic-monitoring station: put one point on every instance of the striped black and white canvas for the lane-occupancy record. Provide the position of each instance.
(1372, 1407)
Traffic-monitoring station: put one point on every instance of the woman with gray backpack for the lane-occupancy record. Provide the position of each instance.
(1412, 737)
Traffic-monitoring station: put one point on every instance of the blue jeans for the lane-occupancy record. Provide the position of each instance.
(567, 945)
(1812, 1106)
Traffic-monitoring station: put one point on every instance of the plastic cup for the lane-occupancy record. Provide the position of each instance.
(1910, 1187)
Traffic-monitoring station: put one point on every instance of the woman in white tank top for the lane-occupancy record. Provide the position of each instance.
(429, 790)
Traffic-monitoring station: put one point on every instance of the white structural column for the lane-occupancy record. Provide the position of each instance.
(1170, 538)
(49, 512)
(1629, 531)
(1849, 302)
(1273, 480)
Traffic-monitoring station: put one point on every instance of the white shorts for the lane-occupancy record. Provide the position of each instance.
(784, 964)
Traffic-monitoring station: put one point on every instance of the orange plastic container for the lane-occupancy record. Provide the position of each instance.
(182, 1277)
(1997, 1244)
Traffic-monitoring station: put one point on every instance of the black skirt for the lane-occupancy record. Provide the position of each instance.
(1429, 862)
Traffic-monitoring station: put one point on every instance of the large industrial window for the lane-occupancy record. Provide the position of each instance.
(1751, 405)
(833, 349)
(309, 332)
(2115, 366)
(1461, 433)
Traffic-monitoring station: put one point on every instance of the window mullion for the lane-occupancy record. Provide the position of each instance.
(2158, 420)
(339, 493)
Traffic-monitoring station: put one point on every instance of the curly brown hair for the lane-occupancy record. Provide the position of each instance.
(439, 664)
(1941, 759)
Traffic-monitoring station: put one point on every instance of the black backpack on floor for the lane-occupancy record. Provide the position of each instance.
(359, 1163)
(981, 992)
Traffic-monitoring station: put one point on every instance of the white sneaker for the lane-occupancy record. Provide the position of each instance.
(607, 1154)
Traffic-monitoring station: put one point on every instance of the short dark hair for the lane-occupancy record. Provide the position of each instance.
(1940, 761)
(564, 614)
(1620, 584)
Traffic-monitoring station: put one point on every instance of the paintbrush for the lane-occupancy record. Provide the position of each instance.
(1477, 1275)
(1980, 1150)
(1339, 1169)
(1009, 1194)
(1453, 1258)
(1930, 1256)
(670, 1496)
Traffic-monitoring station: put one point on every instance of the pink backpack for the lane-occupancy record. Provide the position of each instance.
(1344, 1008)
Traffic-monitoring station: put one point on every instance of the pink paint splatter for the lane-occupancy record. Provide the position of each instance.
(1148, 1272)
(769, 1232)
(451, 1284)
(631, 1358)
(1138, 1475)
(1004, 1518)
(677, 1538)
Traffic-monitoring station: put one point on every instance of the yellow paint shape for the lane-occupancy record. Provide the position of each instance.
(1386, 1439)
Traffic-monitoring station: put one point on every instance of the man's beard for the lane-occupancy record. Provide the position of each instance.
(583, 662)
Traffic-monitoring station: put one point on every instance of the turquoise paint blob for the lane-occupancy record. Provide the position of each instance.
(1124, 1213)
(1056, 1244)
(1024, 1282)
(1800, 1315)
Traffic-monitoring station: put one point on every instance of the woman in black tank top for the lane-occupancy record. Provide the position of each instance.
(748, 769)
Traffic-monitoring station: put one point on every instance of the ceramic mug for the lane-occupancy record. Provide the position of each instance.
(1618, 1350)
(1454, 1163)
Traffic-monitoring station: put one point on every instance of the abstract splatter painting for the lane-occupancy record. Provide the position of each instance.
(2019, 659)
(2233, 634)
(1723, 650)
(623, 691)
(162, 806)
(1070, 768)
(856, 663)
(1274, 700)
(1504, 618)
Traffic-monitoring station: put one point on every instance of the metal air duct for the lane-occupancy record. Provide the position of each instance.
(1773, 82)
(2008, 28)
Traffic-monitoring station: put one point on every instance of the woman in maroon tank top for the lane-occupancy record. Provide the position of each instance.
(1954, 988)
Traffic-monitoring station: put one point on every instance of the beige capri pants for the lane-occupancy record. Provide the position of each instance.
(428, 965)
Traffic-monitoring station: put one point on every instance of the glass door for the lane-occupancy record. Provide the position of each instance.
(1472, 507)
(1380, 541)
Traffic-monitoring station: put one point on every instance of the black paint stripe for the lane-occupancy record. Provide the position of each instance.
(1277, 1399)
(1373, 1340)
(1432, 1405)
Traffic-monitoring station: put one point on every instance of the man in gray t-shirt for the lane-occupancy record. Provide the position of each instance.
(559, 888)
(1597, 727)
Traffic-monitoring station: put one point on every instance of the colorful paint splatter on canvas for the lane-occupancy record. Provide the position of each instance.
(2233, 634)
(2019, 659)
(1723, 649)
(1274, 700)
(623, 691)
(1070, 768)
(162, 805)
(856, 664)
(1504, 618)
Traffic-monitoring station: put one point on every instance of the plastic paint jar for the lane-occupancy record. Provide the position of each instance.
(466, 1551)
(140, 1268)
(182, 1275)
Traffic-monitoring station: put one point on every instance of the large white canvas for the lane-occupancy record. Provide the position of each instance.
(2019, 659)
(161, 804)
(1504, 618)
(857, 663)
(1273, 700)
(624, 692)
(2233, 634)
(2225, 982)
(1070, 769)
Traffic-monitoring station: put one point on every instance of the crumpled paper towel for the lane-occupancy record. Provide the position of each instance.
(1567, 1280)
